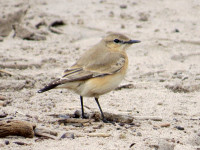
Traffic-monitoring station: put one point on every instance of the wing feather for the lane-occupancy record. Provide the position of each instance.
(98, 68)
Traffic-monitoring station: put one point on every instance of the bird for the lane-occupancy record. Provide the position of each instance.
(98, 71)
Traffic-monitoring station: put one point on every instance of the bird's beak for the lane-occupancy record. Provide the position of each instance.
(131, 41)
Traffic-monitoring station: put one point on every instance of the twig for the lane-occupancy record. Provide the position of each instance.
(21, 143)
(55, 30)
(6, 72)
(99, 134)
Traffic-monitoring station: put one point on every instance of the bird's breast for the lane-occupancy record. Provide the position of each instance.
(98, 86)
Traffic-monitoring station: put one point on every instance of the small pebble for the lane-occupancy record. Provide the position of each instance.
(179, 128)
(77, 114)
(122, 26)
(156, 30)
(121, 124)
(176, 30)
(155, 128)
(123, 6)
(68, 136)
(160, 103)
(162, 80)
(7, 142)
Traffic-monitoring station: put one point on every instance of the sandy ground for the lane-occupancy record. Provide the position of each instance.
(164, 69)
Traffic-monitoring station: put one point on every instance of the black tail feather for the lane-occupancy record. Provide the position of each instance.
(48, 87)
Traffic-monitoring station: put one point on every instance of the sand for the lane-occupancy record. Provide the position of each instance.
(164, 70)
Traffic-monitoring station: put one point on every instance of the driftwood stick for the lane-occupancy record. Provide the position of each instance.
(16, 127)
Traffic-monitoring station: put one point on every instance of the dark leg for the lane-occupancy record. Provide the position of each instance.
(82, 109)
(104, 119)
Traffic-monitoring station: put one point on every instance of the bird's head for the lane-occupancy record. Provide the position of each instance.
(118, 41)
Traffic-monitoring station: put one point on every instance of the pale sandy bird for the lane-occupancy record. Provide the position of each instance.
(99, 71)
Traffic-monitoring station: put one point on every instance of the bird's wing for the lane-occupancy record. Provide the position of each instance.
(105, 65)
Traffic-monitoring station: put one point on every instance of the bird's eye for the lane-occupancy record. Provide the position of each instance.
(117, 41)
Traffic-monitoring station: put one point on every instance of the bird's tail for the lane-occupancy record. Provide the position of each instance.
(50, 86)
